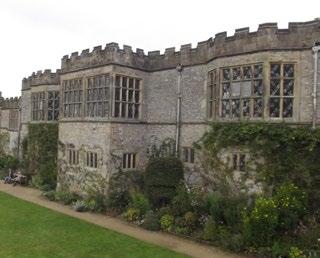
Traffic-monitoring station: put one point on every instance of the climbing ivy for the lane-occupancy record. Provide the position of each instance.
(288, 153)
(40, 149)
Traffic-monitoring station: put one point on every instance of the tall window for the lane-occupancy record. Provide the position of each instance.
(212, 93)
(53, 105)
(97, 96)
(72, 98)
(188, 155)
(38, 106)
(13, 119)
(239, 161)
(92, 159)
(129, 161)
(281, 90)
(242, 91)
(127, 99)
(73, 156)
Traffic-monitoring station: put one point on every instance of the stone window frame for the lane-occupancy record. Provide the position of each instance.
(257, 90)
(91, 159)
(129, 161)
(95, 100)
(72, 90)
(124, 106)
(73, 156)
(281, 96)
(212, 93)
(54, 107)
(239, 161)
(13, 119)
(38, 106)
(188, 155)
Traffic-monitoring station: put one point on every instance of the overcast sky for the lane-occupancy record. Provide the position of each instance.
(35, 34)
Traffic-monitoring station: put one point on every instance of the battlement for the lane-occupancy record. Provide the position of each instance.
(45, 77)
(10, 103)
(298, 35)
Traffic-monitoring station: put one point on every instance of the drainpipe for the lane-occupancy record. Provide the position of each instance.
(315, 50)
(19, 132)
(179, 69)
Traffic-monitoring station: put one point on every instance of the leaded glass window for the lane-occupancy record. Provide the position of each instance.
(282, 80)
(97, 96)
(53, 105)
(242, 91)
(212, 93)
(72, 98)
(129, 161)
(38, 102)
(127, 97)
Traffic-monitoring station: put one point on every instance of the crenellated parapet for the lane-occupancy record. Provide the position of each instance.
(45, 77)
(298, 36)
(10, 103)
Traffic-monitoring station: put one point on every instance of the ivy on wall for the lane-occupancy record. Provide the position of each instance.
(40, 150)
(288, 153)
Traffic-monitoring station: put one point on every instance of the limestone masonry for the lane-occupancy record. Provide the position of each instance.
(113, 104)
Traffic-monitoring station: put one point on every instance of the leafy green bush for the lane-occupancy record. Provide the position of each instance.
(162, 178)
(151, 221)
(190, 220)
(131, 215)
(295, 252)
(80, 206)
(167, 222)
(216, 206)
(181, 202)
(209, 230)
(164, 210)
(66, 197)
(139, 202)
(50, 195)
(260, 224)
(292, 205)
(120, 185)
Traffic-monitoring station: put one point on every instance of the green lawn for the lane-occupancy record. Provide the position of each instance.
(28, 230)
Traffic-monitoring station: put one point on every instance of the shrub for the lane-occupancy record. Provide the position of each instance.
(164, 210)
(190, 220)
(66, 197)
(209, 230)
(50, 195)
(121, 183)
(139, 202)
(215, 206)
(162, 178)
(166, 222)
(131, 214)
(295, 252)
(260, 224)
(181, 203)
(80, 206)
(292, 205)
(151, 221)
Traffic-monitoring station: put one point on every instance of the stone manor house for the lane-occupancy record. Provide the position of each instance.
(112, 104)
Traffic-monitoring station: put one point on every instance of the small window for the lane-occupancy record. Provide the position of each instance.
(129, 161)
(73, 157)
(188, 155)
(239, 161)
(92, 159)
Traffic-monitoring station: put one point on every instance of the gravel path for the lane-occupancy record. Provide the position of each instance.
(174, 243)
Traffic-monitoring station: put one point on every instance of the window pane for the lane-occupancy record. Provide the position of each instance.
(288, 70)
(258, 107)
(288, 87)
(275, 87)
(257, 88)
(274, 107)
(226, 90)
(235, 108)
(235, 89)
(247, 72)
(225, 108)
(226, 74)
(258, 69)
(246, 107)
(235, 161)
(275, 70)
(287, 107)
(246, 89)
(242, 162)
(236, 73)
